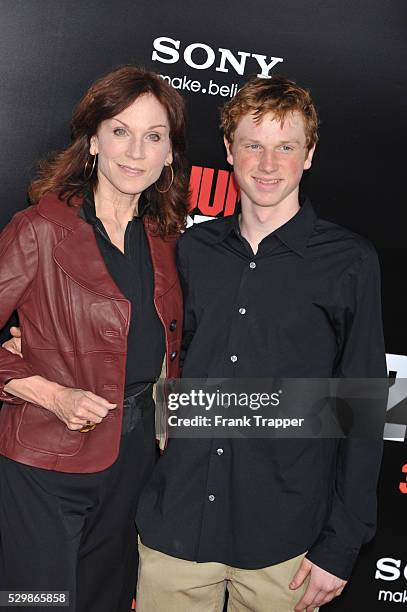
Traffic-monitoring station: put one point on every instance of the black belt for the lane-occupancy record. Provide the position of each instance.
(133, 407)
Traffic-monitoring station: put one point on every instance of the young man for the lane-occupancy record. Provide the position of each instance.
(270, 291)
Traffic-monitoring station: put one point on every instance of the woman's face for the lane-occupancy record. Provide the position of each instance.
(132, 148)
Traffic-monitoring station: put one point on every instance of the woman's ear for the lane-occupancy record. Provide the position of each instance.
(93, 147)
(169, 159)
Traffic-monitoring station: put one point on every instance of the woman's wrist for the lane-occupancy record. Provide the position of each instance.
(34, 389)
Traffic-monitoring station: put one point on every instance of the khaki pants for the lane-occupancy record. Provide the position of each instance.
(169, 584)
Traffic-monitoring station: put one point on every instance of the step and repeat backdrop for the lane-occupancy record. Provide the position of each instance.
(349, 54)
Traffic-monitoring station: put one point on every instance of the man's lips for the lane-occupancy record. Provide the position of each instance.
(131, 171)
(266, 182)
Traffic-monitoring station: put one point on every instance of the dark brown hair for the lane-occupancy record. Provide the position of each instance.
(63, 171)
(278, 95)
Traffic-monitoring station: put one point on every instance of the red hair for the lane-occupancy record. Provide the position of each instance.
(278, 96)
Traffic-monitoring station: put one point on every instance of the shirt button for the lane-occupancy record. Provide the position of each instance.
(173, 355)
(242, 311)
(211, 498)
(219, 451)
(252, 264)
(173, 325)
(233, 358)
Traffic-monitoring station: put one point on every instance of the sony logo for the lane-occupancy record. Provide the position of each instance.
(388, 568)
(166, 51)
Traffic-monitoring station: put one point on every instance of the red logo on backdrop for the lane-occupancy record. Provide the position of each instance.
(212, 191)
(403, 485)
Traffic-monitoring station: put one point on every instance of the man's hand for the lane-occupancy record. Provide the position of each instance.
(322, 587)
(14, 344)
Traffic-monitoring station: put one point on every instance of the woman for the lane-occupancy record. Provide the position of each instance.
(90, 269)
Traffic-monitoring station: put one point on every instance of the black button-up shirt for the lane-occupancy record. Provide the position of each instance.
(306, 305)
(133, 274)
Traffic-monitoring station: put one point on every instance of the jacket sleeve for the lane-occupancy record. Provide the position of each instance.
(18, 268)
(351, 521)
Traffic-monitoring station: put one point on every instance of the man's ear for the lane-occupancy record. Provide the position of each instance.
(308, 159)
(93, 148)
(229, 154)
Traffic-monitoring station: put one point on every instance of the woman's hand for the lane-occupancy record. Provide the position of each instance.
(13, 345)
(76, 408)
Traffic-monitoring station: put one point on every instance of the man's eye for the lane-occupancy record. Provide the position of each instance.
(253, 147)
(119, 131)
(286, 148)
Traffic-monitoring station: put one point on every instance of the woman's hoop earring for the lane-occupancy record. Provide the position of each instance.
(85, 170)
(170, 185)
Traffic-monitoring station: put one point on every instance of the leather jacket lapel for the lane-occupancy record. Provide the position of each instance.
(79, 257)
(77, 254)
(162, 258)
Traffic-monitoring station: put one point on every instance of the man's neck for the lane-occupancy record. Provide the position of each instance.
(257, 222)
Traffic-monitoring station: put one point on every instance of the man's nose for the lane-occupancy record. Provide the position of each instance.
(268, 161)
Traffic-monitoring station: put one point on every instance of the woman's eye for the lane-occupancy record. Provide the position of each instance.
(154, 137)
(119, 131)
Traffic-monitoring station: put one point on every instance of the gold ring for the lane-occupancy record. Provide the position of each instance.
(89, 426)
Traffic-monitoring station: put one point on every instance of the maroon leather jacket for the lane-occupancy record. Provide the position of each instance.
(74, 324)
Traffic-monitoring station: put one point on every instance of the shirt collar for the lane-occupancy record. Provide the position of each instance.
(295, 233)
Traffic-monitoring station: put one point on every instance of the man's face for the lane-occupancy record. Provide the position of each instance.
(269, 159)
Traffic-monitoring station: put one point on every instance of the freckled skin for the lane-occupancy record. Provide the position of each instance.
(269, 160)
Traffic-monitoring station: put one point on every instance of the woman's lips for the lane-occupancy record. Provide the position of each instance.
(131, 171)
